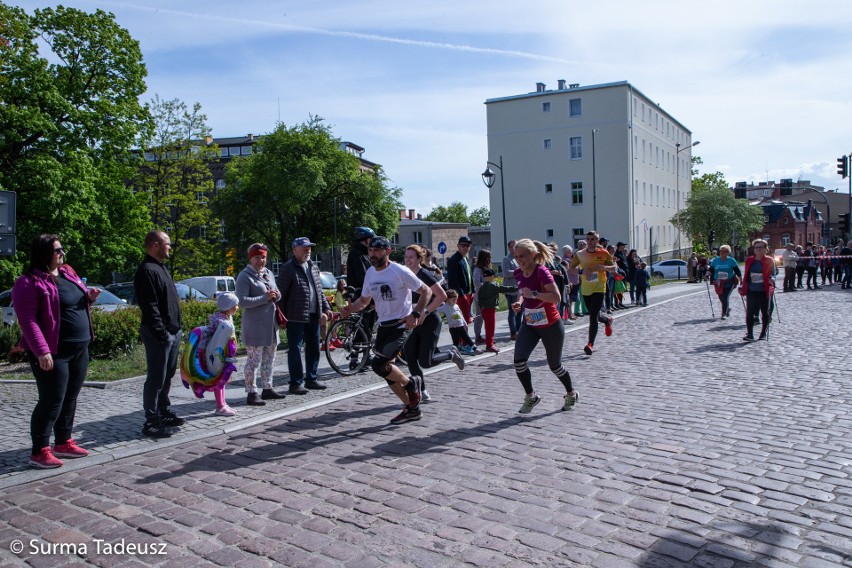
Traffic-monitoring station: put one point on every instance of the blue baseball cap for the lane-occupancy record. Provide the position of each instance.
(380, 243)
(302, 242)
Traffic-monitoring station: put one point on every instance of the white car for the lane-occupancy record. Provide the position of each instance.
(669, 269)
(107, 302)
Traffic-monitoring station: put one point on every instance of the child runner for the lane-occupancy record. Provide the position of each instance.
(457, 325)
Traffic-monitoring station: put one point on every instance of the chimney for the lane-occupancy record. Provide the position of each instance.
(561, 84)
(419, 216)
(250, 136)
(411, 214)
(573, 85)
(540, 87)
(208, 140)
(402, 213)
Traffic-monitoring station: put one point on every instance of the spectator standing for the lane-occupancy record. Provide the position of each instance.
(642, 281)
(258, 294)
(161, 334)
(788, 260)
(52, 306)
(460, 276)
(302, 302)
(483, 262)
(509, 265)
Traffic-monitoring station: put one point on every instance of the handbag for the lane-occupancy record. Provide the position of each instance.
(280, 318)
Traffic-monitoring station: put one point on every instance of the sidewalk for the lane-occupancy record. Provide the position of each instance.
(109, 419)
(688, 447)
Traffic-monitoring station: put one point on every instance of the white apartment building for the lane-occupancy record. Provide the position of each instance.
(574, 159)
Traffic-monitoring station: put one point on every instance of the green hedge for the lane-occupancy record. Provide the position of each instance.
(10, 335)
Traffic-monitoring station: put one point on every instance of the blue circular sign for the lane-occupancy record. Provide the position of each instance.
(442, 247)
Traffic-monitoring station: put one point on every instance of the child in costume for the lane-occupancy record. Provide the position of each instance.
(208, 360)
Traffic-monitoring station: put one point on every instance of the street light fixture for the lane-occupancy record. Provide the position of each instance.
(488, 178)
(594, 185)
(677, 184)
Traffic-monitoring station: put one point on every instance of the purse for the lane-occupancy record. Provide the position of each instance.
(280, 317)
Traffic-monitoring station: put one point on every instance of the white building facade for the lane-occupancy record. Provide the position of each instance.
(600, 157)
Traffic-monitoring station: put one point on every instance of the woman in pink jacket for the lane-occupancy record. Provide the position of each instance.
(52, 306)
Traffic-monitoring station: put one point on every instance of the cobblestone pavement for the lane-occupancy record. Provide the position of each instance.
(688, 447)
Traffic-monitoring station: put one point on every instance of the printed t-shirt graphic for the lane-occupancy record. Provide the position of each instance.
(391, 289)
(592, 281)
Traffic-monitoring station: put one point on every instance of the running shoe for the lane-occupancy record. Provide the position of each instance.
(748, 338)
(529, 402)
(571, 400)
(588, 349)
(424, 395)
(608, 328)
(492, 349)
(69, 449)
(456, 358)
(225, 411)
(407, 415)
(45, 459)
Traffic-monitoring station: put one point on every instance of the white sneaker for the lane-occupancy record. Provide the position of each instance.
(424, 395)
(225, 411)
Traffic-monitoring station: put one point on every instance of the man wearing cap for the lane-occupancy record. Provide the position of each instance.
(460, 276)
(302, 302)
(390, 285)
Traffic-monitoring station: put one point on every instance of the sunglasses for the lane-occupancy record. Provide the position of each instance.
(59, 250)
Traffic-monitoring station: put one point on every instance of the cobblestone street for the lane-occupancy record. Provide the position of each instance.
(688, 447)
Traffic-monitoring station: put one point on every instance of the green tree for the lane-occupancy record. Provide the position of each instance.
(480, 217)
(70, 83)
(178, 184)
(300, 182)
(455, 212)
(712, 205)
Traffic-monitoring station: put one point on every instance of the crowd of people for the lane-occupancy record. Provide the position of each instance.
(545, 291)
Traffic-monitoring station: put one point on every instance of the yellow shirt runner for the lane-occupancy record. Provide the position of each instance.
(592, 281)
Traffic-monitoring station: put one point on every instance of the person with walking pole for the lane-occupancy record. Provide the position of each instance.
(725, 273)
(710, 299)
(758, 287)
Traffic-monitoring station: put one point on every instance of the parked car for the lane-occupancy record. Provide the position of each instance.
(329, 285)
(669, 269)
(6, 306)
(210, 286)
(124, 290)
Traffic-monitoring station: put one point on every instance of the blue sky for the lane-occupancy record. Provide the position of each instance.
(764, 85)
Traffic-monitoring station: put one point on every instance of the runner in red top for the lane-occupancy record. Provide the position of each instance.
(540, 321)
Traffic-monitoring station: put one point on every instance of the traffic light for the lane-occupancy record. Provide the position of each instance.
(843, 166)
(844, 223)
(711, 236)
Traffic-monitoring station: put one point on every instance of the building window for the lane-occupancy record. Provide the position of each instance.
(395, 239)
(548, 234)
(578, 234)
(418, 237)
(548, 188)
(577, 148)
(577, 193)
(220, 184)
(785, 238)
(635, 147)
(636, 191)
(575, 107)
(545, 107)
(547, 143)
(201, 197)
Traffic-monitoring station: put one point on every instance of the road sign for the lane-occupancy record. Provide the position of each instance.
(442, 247)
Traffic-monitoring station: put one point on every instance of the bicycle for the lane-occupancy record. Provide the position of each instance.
(353, 342)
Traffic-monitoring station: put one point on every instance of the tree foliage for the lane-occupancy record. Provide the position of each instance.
(69, 115)
(455, 212)
(299, 182)
(177, 182)
(480, 217)
(712, 205)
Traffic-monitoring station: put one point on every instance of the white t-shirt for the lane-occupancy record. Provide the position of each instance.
(391, 289)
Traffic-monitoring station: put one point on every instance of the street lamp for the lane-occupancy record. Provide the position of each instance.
(677, 184)
(488, 178)
(335, 255)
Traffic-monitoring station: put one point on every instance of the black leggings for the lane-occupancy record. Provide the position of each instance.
(57, 393)
(552, 337)
(725, 298)
(812, 276)
(594, 302)
(420, 348)
(757, 303)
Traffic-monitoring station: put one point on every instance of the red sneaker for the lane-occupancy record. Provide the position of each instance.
(608, 328)
(336, 342)
(69, 449)
(45, 459)
(588, 349)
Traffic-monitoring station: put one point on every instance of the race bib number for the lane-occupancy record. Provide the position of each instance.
(721, 275)
(592, 277)
(535, 317)
(756, 278)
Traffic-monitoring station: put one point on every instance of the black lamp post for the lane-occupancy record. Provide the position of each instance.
(678, 150)
(488, 178)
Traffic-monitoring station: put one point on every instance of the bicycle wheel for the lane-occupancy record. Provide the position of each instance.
(351, 347)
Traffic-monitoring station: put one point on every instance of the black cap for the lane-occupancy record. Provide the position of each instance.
(603, 240)
(380, 243)
(464, 239)
(487, 272)
(620, 244)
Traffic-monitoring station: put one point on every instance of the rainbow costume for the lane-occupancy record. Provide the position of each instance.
(207, 361)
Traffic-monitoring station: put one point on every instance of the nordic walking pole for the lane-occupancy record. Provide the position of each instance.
(710, 298)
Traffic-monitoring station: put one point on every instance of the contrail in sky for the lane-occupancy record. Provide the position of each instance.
(353, 35)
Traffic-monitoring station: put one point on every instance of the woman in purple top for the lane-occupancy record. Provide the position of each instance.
(52, 306)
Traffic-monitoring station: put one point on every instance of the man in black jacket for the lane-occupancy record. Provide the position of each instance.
(302, 301)
(460, 276)
(161, 334)
(358, 259)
